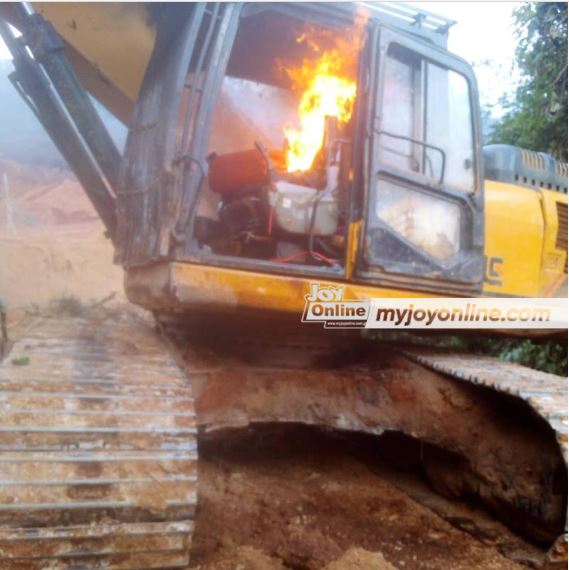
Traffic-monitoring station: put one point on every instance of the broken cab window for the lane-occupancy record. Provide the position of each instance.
(426, 120)
(279, 149)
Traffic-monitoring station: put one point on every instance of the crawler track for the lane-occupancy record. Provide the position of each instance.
(546, 394)
(97, 450)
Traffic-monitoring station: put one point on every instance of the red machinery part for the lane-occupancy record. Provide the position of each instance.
(237, 171)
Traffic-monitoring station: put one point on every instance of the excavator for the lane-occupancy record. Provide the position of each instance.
(271, 146)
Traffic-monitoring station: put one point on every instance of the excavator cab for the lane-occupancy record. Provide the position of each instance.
(382, 183)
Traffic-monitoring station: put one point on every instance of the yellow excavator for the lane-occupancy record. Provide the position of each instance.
(222, 211)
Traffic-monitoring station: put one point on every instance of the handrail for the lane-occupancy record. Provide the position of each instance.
(423, 144)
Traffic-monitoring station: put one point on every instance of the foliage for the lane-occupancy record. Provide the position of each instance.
(536, 115)
(547, 356)
(21, 361)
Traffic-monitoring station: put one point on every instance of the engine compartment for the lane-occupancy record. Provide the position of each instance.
(265, 212)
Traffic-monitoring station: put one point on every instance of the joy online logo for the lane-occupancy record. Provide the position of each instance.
(325, 304)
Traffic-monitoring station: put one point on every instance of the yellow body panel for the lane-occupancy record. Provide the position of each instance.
(109, 44)
(354, 232)
(553, 275)
(186, 285)
(520, 234)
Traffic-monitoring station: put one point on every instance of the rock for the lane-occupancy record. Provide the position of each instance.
(360, 559)
(242, 558)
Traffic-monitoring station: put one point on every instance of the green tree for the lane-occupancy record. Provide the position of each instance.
(536, 114)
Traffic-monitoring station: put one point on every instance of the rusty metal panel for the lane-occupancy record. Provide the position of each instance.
(164, 159)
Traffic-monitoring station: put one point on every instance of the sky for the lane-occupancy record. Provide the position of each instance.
(484, 31)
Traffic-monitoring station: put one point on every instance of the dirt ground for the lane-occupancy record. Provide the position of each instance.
(248, 558)
(294, 497)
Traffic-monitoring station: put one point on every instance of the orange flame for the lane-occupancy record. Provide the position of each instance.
(326, 91)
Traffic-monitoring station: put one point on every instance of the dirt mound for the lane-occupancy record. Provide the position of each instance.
(42, 266)
(51, 241)
(22, 177)
(249, 558)
(242, 558)
(40, 198)
(360, 559)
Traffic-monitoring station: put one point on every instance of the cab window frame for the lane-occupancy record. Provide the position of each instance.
(443, 59)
